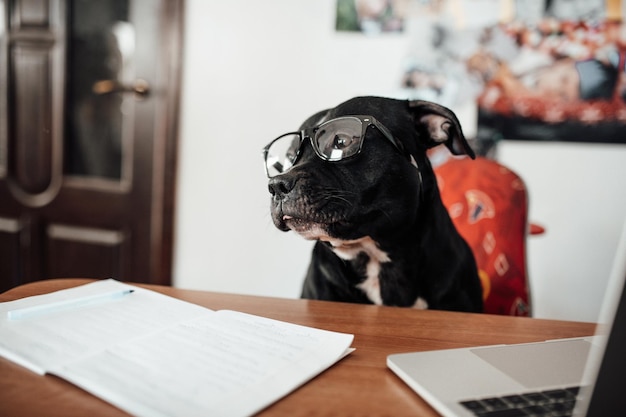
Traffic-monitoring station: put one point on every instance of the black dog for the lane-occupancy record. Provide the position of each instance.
(357, 179)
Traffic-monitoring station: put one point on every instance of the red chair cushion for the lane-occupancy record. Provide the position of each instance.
(489, 206)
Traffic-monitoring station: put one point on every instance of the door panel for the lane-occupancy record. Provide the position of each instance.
(89, 95)
(10, 250)
(102, 249)
(35, 63)
(30, 69)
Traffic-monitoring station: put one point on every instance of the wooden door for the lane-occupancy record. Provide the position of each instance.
(89, 94)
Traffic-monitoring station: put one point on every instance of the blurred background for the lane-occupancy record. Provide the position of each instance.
(252, 72)
(223, 78)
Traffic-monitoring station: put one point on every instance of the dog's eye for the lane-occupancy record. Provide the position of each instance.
(342, 141)
(336, 144)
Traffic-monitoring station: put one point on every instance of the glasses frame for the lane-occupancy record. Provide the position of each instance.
(366, 122)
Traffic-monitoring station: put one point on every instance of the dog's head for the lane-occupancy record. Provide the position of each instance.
(359, 169)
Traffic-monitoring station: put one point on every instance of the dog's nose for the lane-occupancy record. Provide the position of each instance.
(280, 186)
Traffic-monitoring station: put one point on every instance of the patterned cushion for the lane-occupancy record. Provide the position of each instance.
(488, 204)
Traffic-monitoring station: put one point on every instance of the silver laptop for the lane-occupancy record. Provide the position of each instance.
(564, 377)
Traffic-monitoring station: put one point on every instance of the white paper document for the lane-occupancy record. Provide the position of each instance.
(154, 355)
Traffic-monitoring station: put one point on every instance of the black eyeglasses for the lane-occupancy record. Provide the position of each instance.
(334, 140)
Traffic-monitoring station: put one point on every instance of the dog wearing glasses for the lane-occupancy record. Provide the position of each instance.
(356, 179)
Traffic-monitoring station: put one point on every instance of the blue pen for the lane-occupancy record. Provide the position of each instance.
(41, 309)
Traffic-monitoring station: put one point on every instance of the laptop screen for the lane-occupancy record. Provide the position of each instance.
(607, 396)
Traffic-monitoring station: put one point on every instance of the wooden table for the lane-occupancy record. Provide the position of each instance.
(359, 385)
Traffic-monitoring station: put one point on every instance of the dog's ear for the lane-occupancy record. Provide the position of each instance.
(440, 125)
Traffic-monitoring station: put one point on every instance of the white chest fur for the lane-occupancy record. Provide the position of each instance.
(349, 250)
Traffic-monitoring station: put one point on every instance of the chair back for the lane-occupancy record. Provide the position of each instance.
(488, 204)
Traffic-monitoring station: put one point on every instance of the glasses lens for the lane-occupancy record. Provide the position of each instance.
(282, 154)
(339, 138)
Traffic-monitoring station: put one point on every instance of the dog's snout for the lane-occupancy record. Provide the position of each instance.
(279, 187)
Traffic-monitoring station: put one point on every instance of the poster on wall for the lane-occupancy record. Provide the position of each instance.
(545, 70)
(370, 17)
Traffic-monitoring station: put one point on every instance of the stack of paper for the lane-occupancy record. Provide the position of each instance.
(154, 355)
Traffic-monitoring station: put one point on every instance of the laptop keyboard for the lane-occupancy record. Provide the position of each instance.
(552, 403)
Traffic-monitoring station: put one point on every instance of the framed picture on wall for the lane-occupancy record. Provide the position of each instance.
(370, 17)
(564, 81)
(544, 70)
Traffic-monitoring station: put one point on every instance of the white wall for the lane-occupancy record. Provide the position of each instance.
(253, 70)
(577, 192)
